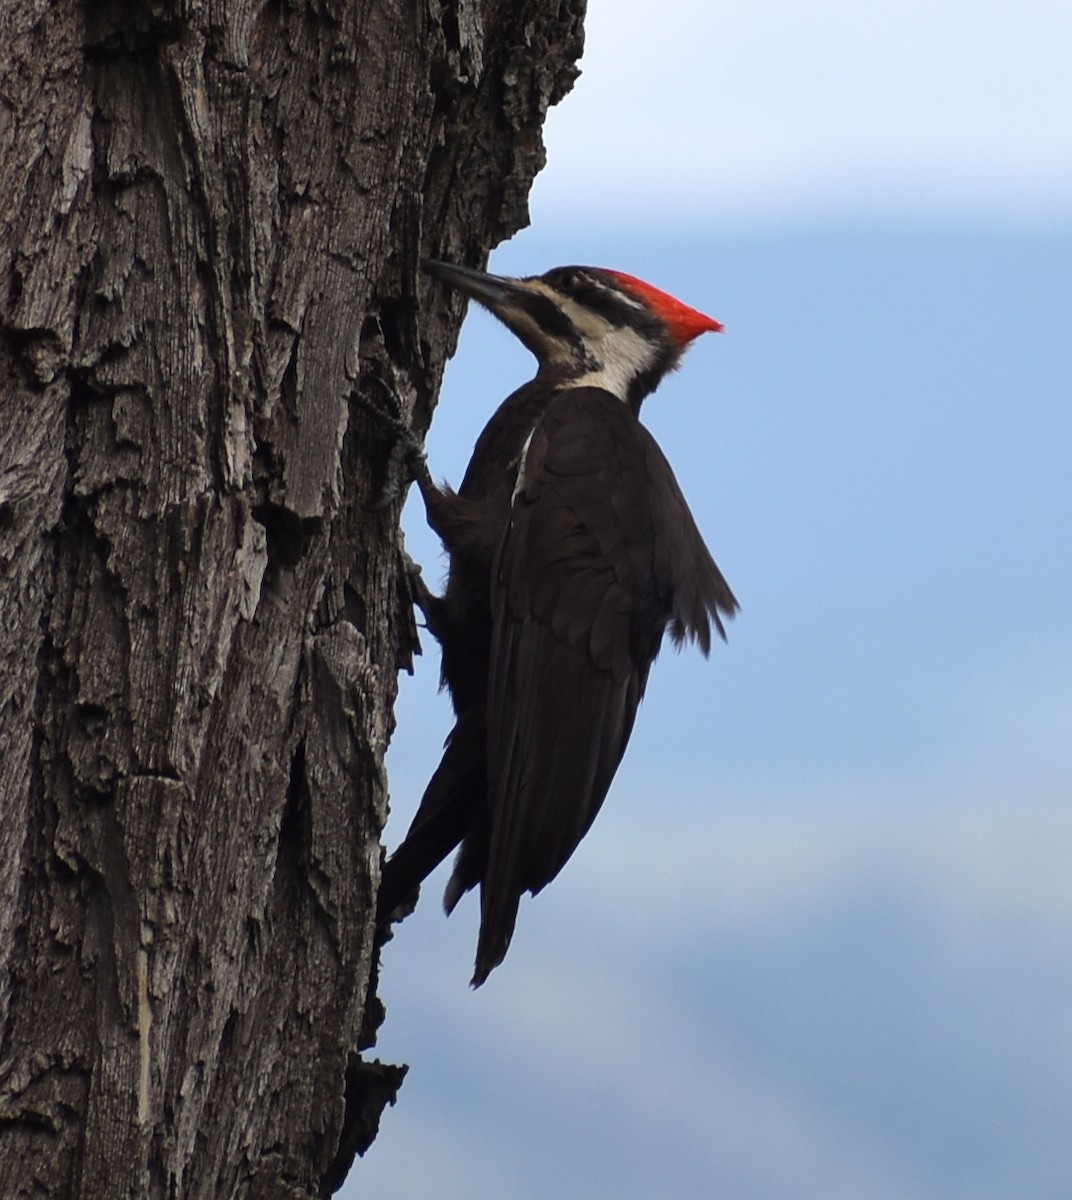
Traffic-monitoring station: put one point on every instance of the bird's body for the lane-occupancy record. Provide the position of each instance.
(572, 551)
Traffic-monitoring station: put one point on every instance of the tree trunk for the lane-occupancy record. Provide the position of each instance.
(211, 219)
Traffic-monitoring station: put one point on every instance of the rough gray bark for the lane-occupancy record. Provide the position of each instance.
(211, 216)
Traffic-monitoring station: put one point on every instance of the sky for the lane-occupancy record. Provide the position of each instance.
(817, 944)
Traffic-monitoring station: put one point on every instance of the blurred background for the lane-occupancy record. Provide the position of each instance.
(818, 944)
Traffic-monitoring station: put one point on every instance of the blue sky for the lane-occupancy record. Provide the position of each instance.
(817, 943)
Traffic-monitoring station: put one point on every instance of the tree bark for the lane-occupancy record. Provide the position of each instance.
(211, 219)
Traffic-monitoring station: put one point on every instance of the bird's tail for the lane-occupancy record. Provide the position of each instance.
(496, 930)
(454, 792)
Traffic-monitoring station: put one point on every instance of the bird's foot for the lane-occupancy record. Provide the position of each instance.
(406, 459)
(423, 597)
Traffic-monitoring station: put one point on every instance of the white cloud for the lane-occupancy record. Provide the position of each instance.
(590, 1027)
(977, 831)
(774, 109)
(604, 1026)
(602, 1038)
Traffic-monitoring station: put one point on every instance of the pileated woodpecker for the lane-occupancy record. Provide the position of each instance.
(572, 551)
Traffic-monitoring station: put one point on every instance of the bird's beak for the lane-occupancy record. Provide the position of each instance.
(496, 292)
(520, 304)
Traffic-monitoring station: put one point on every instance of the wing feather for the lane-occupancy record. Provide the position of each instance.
(599, 557)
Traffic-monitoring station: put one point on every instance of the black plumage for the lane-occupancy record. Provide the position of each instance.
(572, 552)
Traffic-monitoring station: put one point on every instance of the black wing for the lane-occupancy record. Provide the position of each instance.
(600, 556)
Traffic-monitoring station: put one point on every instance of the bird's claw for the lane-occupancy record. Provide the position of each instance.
(406, 456)
(422, 595)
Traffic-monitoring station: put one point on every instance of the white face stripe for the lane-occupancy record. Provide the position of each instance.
(623, 355)
(623, 297)
(620, 353)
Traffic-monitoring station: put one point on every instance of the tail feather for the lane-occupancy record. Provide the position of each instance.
(496, 930)
(454, 793)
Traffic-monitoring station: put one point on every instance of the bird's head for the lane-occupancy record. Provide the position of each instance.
(590, 325)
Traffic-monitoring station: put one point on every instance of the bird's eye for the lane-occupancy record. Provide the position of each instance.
(569, 280)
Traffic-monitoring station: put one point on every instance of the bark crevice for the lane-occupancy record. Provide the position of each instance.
(213, 221)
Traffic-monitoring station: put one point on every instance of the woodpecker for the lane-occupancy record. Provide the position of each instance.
(571, 552)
